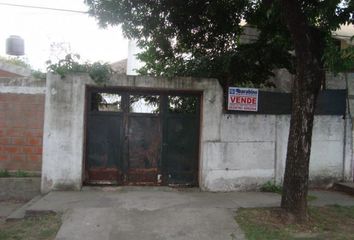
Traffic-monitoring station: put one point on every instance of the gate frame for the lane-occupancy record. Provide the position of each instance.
(63, 138)
(141, 90)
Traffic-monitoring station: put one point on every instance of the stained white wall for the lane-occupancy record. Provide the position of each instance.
(63, 133)
(252, 150)
(237, 151)
(22, 85)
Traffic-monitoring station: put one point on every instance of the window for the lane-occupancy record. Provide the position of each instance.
(106, 102)
(182, 104)
(144, 103)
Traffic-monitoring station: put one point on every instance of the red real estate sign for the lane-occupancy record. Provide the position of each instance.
(243, 99)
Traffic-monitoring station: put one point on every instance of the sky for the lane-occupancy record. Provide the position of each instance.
(41, 28)
(80, 33)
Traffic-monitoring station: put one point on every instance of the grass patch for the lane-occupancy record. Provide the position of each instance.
(311, 198)
(35, 228)
(330, 222)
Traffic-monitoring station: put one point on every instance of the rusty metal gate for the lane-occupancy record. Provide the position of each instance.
(142, 137)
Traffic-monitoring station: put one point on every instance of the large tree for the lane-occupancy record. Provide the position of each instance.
(203, 38)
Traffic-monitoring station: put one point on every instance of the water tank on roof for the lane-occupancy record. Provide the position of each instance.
(15, 46)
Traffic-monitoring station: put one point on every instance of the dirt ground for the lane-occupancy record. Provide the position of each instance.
(34, 228)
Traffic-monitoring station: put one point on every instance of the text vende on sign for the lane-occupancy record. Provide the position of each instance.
(243, 99)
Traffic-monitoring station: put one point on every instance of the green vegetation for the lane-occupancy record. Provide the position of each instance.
(39, 74)
(22, 63)
(212, 42)
(270, 186)
(205, 39)
(338, 60)
(311, 198)
(4, 173)
(15, 61)
(34, 228)
(19, 173)
(330, 222)
(99, 72)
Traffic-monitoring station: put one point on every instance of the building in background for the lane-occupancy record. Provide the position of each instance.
(9, 70)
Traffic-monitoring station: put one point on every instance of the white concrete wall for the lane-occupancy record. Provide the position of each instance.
(63, 138)
(252, 150)
(237, 151)
(19, 70)
(63, 133)
(283, 80)
(22, 85)
(348, 165)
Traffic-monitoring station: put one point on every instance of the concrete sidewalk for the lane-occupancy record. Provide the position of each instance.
(158, 213)
(7, 207)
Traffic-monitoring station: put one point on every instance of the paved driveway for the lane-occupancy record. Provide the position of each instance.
(157, 213)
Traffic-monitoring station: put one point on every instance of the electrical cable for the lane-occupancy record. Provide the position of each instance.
(43, 8)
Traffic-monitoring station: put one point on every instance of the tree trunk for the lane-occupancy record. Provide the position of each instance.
(305, 89)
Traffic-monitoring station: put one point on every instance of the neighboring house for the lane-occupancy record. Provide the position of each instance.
(283, 79)
(8, 70)
(120, 66)
(345, 35)
(131, 64)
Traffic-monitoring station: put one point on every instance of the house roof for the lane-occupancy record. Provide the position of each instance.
(12, 70)
(345, 32)
(120, 66)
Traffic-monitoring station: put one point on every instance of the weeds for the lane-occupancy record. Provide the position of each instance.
(20, 173)
(4, 173)
(271, 187)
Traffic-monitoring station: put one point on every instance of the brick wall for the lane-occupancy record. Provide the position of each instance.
(21, 131)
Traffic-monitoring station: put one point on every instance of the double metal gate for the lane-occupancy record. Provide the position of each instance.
(142, 137)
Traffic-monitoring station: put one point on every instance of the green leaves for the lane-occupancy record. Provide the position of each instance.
(99, 72)
(338, 60)
(202, 38)
(15, 61)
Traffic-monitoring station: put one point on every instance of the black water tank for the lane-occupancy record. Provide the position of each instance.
(15, 46)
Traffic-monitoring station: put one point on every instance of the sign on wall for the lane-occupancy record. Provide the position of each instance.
(243, 99)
